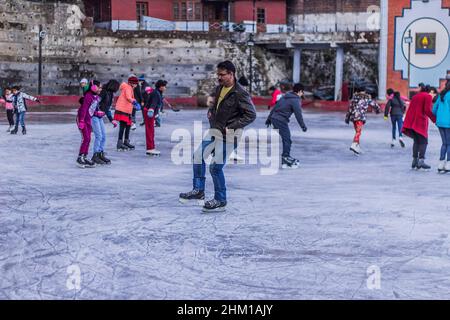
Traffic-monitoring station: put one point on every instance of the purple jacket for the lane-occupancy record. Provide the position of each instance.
(84, 114)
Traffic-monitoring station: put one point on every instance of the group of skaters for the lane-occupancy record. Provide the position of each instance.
(410, 118)
(96, 104)
(230, 110)
(15, 102)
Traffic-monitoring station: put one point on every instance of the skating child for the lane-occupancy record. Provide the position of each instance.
(357, 114)
(8, 99)
(395, 107)
(124, 112)
(279, 117)
(84, 123)
(104, 108)
(20, 108)
(416, 125)
(276, 95)
(151, 109)
(441, 110)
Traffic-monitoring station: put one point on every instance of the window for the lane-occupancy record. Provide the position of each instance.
(261, 16)
(141, 10)
(187, 10)
(176, 11)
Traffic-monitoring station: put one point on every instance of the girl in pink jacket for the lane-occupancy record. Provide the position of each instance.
(7, 100)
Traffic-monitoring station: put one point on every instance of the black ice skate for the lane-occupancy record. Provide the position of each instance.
(97, 159)
(82, 162)
(24, 130)
(105, 159)
(415, 163)
(422, 165)
(128, 145)
(289, 163)
(121, 146)
(214, 206)
(194, 195)
(14, 131)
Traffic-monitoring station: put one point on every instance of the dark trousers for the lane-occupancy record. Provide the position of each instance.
(133, 115)
(124, 129)
(420, 145)
(397, 123)
(10, 116)
(285, 133)
(445, 149)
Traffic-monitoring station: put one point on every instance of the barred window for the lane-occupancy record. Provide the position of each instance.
(141, 10)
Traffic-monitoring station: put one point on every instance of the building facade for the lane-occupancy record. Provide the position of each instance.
(418, 43)
(195, 15)
(333, 15)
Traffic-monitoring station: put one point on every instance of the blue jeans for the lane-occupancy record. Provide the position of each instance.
(98, 126)
(397, 121)
(218, 150)
(445, 149)
(20, 119)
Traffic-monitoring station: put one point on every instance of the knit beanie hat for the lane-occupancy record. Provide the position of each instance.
(133, 80)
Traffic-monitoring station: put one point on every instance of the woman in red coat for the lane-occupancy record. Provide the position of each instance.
(416, 125)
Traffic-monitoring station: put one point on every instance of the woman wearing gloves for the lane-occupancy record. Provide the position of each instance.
(84, 117)
(124, 111)
(441, 110)
(395, 107)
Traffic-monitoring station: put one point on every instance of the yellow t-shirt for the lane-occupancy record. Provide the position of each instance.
(222, 95)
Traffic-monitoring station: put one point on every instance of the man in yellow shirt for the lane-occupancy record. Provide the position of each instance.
(231, 109)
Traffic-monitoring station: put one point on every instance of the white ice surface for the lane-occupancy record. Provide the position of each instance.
(305, 234)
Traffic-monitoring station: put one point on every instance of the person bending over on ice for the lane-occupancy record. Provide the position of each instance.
(279, 117)
(416, 125)
(357, 114)
(231, 109)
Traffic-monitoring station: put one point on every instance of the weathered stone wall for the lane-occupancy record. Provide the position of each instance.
(73, 50)
(318, 67)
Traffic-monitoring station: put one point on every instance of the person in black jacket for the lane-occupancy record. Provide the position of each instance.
(151, 111)
(231, 109)
(279, 117)
(104, 106)
(141, 96)
(396, 109)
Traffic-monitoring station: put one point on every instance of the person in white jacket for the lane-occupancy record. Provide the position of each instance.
(20, 108)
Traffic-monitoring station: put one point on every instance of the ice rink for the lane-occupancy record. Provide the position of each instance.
(119, 232)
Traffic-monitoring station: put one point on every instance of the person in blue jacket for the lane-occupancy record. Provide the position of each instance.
(279, 117)
(441, 109)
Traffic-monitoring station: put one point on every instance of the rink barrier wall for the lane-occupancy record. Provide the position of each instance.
(192, 102)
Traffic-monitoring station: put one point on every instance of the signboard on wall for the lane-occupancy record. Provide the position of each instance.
(425, 43)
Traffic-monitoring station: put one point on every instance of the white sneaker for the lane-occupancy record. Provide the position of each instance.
(402, 143)
(442, 165)
(355, 148)
(235, 157)
(447, 166)
(133, 126)
(153, 152)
